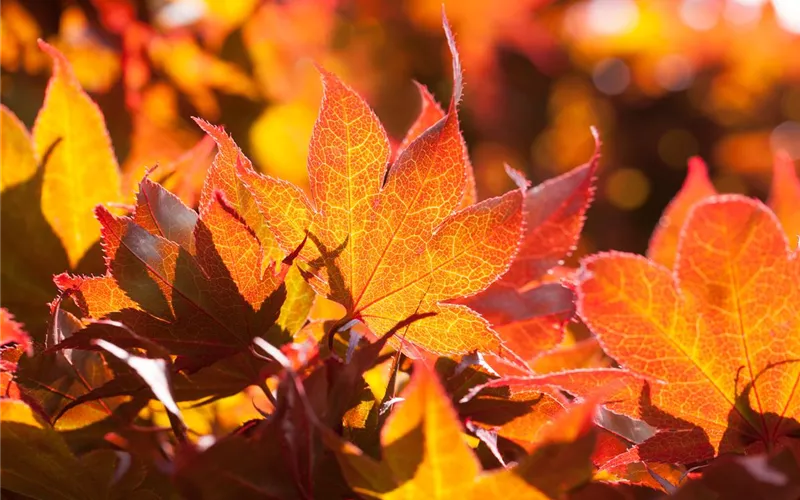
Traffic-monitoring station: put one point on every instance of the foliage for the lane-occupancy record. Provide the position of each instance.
(384, 334)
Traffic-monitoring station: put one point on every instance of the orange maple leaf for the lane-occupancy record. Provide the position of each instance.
(715, 338)
(528, 311)
(387, 243)
(784, 200)
(194, 284)
(709, 348)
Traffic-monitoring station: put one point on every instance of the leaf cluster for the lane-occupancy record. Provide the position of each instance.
(387, 333)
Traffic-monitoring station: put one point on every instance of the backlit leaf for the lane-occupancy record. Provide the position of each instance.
(696, 187)
(425, 453)
(430, 113)
(81, 169)
(717, 336)
(16, 151)
(388, 243)
(223, 176)
(193, 284)
(531, 319)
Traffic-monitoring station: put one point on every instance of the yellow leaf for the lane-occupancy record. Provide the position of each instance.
(81, 171)
(16, 151)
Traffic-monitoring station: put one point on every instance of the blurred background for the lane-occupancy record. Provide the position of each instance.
(662, 80)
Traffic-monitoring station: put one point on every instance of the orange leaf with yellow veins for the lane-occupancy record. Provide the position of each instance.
(235, 246)
(430, 113)
(425, 454)
(16, 151)
(696, 187)
(81, 171)
(784, 197)
(389, 243)
(98, 296)
(222, 177)
(717, 336)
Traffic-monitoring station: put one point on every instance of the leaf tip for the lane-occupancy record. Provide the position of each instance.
(458, 74)
(517, 176)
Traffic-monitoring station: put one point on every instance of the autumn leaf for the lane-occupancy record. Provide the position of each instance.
(529, 313)
(664, 241)
(386, 244)
(192, 284)
(782, 200)
(202, 276)
(81, 168)
(430, 113)
(714, 339)
(16, 151)
(222, 176)
(425, 453)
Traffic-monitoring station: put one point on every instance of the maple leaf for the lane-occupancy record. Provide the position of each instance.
(425, 454)
(82, 170)
(387, 243)
(714, 339)
(529, 313)
(222, 176)
(58, 175)
(783, 200)
(193, 284)
(430, 113)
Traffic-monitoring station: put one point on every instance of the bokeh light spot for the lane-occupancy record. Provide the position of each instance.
(674, 72)
(701, 15)
(627, 188)
(786, 137)
(611, 17)
(611, 76)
